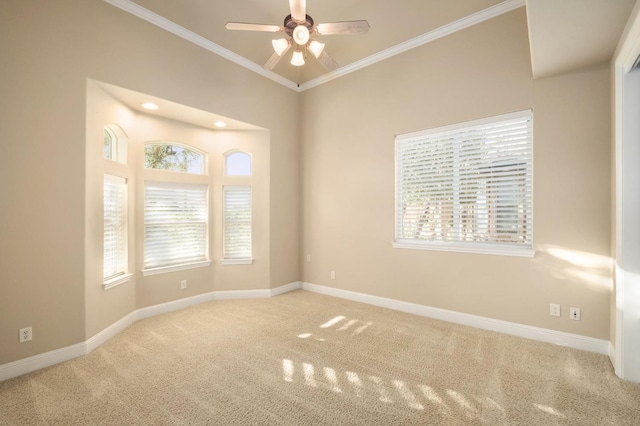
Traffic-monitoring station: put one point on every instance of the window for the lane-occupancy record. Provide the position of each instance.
(175, 226)
(237, 223)
(110, 145)
(115, 227)
(467, 187)
(173, 157)
(237, 164)
(114, 144)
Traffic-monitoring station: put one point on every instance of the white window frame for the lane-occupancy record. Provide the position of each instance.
(115, 231)
(445, 147)
(234, 253)
(113, 144)
(157, 256)
(229, 155)
(119, 142)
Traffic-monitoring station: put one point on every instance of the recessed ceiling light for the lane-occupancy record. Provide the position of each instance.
(220, 124)
(149, 105)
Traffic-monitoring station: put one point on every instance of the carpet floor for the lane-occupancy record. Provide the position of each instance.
(308, 359)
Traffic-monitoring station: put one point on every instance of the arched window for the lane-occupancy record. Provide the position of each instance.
(237, 163)
(114, 144)
(110, 146)
(173, 157)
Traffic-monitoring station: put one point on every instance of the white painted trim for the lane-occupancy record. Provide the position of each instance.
(120, 279)
(626, 356)
(47, 359)
(473, 249)
(618, 76)
(612, 354)
(236, 261)
(174, 268)
(198, 40)
(529, 332)
(286, 288)
(36, 362)
(101, 337)
(627, 50)
(445, 30)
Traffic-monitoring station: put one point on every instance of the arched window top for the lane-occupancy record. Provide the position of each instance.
(173, 157)
(114, 145)
(237, 163)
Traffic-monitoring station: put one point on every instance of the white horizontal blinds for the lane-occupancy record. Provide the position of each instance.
(467, 183)
(175, 224)
(237, 221)
(115, 226)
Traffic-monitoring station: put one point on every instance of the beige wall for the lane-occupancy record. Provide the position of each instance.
(49, 50)
(347, 169)
(336, 139)
(103, 308)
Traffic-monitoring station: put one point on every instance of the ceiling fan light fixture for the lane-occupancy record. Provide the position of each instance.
(316, 48)
(297, 59)
(280, 45)
(301, 35)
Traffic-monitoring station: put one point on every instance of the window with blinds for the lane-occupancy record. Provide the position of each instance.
(467, 187)
(115, 227)
(237, 221)
(175, 224)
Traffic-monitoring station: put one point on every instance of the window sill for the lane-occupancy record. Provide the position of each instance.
(236, 261)
(173, 268)
(120, 279)
(475, 249)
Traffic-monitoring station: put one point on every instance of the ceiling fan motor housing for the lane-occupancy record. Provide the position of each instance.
(290, 24)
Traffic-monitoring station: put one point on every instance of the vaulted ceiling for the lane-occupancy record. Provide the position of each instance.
(564, 34)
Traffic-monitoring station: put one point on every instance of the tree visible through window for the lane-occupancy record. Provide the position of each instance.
(173, 157)
(467, 186)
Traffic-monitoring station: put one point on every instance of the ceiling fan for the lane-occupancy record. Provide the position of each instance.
(299, 27)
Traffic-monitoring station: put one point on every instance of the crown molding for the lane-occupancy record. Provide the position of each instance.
(443, 31)
(170, 26)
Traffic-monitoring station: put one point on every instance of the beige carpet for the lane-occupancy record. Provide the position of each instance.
(307, 359)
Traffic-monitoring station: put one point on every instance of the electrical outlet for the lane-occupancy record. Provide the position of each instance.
(574, 314)
(183, 284)
(333, 275)
(554, 310)
(26, 334)
(308, 258)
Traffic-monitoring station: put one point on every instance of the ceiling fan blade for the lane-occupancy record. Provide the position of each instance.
(242, 26)
(274, 59)
(346, 27)
(327, 61)
(298, 10)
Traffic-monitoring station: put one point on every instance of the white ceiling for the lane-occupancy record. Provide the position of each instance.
(564, 34)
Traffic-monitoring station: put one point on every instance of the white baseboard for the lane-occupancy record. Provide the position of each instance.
(101, 337)
(535, 333)
(285, 288)
(47, 359)
(612, 355)
(36, 362)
